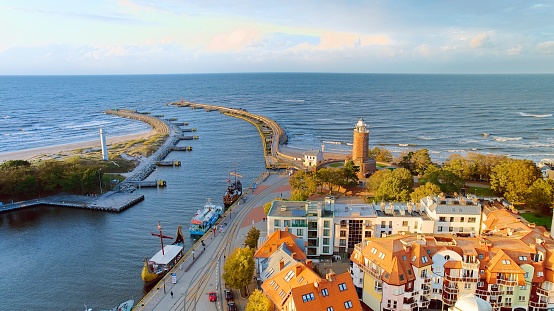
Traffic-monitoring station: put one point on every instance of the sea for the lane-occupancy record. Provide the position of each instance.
(66, 259)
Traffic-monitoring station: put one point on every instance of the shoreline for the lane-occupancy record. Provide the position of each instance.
(27, 154)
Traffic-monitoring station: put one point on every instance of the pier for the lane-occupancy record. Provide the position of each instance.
(182, 148)
(188, 137)
(271, 132)
(148, 183)
(169, 163)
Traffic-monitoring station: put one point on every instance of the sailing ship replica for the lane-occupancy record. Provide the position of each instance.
(158, 266)
(234, 190)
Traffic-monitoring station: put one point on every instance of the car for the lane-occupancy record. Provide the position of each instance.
(228, 294)
(212, 296)
(231, 306)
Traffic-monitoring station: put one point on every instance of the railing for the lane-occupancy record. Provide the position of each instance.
(426, 290)
(544, 292)
(450, 295)
(506, 282)
(537, 304)
(426, 279)
(483, 292)
(410, 294)
(471, 265)
(471, 279)
(375, 274)
(424, 302)
(410, 305)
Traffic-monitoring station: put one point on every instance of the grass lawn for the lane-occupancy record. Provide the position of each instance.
(336, 164)
(538, 219)
(480, 192)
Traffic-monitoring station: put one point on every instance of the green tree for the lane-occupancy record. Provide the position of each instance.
(267, 207)
(541, 195)
(375, 180)
(258, 302)
(396, 187)
(349, 174)
(421, 161)
(324, 177)
(239, 268)
(512, 178)
(251, 239)
(424, 190)
(448, 181)
(380, 154)
(303, 184)
(462, 167)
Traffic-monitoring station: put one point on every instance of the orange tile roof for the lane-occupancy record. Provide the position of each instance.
(279, 287)
(334, 292)
(275, 240)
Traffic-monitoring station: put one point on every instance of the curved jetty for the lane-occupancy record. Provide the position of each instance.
(272, 134)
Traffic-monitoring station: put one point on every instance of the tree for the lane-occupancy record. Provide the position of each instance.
(448, 181)
(421, 160)
(324, 176)
(251, 239)
(375, 180)
(424, 190)
(258, 302)
(541, 195)
(349, 174)
(239, 268)
(512, 178)
(267, 207)
(380, 154)
(396, 187)
(461, 167)
(303, 185)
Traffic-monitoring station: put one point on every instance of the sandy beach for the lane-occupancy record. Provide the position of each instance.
(49, 150)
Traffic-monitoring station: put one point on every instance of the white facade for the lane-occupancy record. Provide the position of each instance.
(312, 158)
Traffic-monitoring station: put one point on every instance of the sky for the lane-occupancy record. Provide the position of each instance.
(57, 37)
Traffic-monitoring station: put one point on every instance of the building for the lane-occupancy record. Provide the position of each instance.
(312, 158)
(277, 251)
(311, 221)
(453, 215)
(299, 288)
(360, 148)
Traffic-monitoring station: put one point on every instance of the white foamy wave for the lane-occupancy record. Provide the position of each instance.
(6, 117)
(523, 114)
(294, 100)
(507, 138)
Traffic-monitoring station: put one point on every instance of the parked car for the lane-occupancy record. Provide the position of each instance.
(231, 306)
(228, 294)
(212, 296)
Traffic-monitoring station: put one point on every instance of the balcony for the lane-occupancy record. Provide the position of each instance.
(545, 292)
(467, 279)
(450, 295)
(409, 306)
(426, 279)
(506, 281)
(537, 304)
(471, 265)
(374, 273)
(410, 294)
(424, 302)
(493, 292)
(425, 290)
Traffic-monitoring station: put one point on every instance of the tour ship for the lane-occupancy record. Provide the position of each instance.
(205, 218)
(234, 190)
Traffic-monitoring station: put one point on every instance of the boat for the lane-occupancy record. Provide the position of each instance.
(234, 190)
(205, 218)
(124, 306)
(161, 263)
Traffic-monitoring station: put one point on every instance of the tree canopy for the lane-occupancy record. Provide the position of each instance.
(512, 178)
(424, 190)
(258, 302)
(541, 195)
(380, 154)
(251, 239)
(395, 186)
(239, 268)
(447, 181)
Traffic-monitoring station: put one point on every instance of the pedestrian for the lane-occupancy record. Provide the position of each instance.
(171, 294)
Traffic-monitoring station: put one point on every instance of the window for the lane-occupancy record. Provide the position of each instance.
(540, 273)
(368, 234)
(308, 297)
(443, 219)
(277, 223)
(383, 223)
(471, 219)
(508, 302)
(414, 258)
(342, 286)
(378, 286)
(326, 224)
(451, 219)
(526, 275)
(480, 256)
(401, 277)
(510, 290)
(404, 257)
(272, 283)
(405, 223)
(342, 242)
(299, 232)
(374, 251)
(523, 258)
(480, 284)
(289, 275)
(390, 224)
(462, 219)
(326, 232)
(282, 294)
(450, 229)
(330, 309)
(269, 272)
(368, 223)
(439, 229)
(482, 271)
(348, 304)
(467, 285)
(286, 223)
(382, 255)
(343, 233)
(521, 298)
(325, 241)
(325, 292)
(505, 262)
(523, 287)
(325, 249)
(301, 279)
(424, 259)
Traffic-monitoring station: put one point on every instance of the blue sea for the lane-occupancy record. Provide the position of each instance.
(60, 259)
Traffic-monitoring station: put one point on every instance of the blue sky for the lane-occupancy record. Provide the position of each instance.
(207, 36)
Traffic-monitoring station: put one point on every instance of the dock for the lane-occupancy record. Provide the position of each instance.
(148, 183)
(189, 130)
(188, 137)
(169, 163)
(181, 123)
(182, 148)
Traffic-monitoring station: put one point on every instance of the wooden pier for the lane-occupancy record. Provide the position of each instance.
(148, 183)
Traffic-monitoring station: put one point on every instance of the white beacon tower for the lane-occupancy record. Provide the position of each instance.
(104, 147)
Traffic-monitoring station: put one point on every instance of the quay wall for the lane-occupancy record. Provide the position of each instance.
(157, 124)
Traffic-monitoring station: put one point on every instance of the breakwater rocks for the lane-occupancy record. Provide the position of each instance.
(157, 124)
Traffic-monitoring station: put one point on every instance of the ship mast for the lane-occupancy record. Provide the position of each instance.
(162, 237)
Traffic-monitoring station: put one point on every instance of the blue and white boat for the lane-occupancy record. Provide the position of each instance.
(205, 218)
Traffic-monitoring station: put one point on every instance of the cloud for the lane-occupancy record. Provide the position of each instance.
(479, 41)
(516, 50)
(235, 41)
(546, 47)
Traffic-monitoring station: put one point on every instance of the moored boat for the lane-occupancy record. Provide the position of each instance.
(234, 190)
(158, 266)
(205, 218)
(124, 306)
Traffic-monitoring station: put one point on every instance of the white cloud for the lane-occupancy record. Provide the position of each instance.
(516, 50)
(546, 47)
(234, 41)
(479, 41)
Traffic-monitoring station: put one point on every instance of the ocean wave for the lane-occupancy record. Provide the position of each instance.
(294, 100)
(501, 139)
(523, 114)
(6, 117)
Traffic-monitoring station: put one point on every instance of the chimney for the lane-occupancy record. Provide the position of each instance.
(281, 265)
(298, 269)
(309, 264)
(330, 276)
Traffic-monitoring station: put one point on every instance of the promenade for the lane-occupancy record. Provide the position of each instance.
(200, 270)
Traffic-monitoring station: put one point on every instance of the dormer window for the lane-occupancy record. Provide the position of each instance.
(506, 262)
(424, 259)
(374, 251)
(324, 292)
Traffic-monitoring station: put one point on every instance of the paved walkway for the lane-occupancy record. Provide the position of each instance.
(196, 277)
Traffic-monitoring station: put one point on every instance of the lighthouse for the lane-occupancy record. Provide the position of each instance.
(104, 147)
(360, 148)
